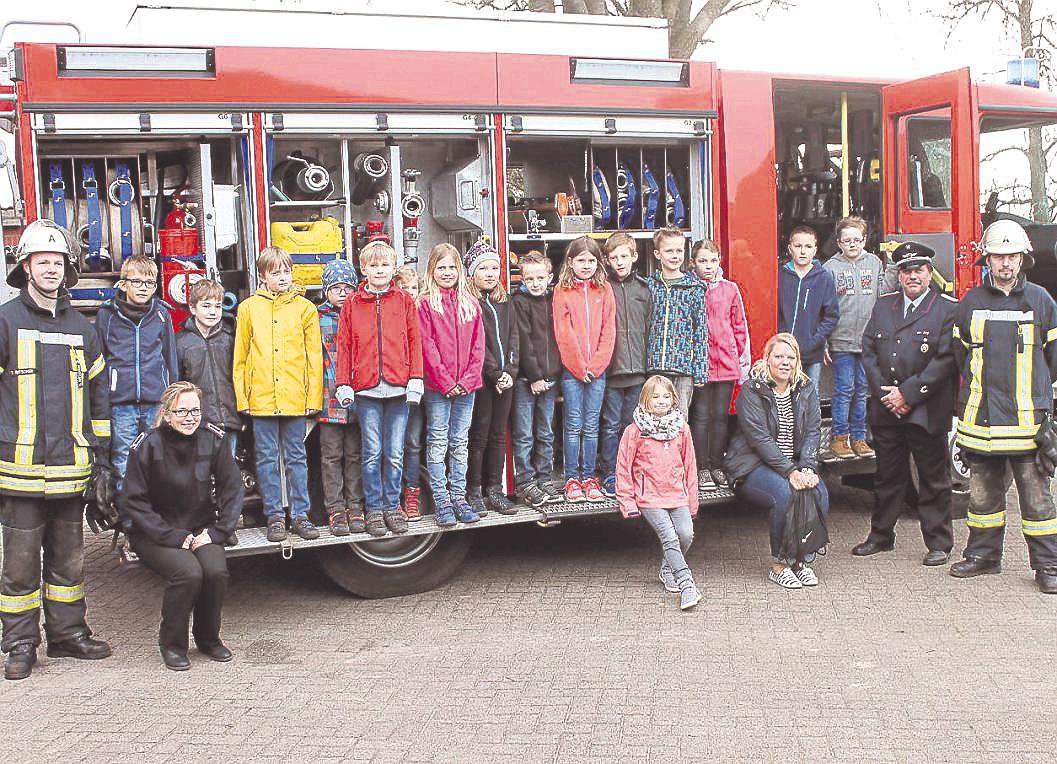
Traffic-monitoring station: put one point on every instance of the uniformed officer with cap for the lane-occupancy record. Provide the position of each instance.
(1006, 349)
(910, 366)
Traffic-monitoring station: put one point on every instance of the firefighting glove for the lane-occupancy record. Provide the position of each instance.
(101, 514)
(1046, 449)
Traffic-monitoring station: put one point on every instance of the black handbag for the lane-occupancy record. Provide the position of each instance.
(805, 531)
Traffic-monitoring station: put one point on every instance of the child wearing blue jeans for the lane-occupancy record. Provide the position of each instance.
(140, 349)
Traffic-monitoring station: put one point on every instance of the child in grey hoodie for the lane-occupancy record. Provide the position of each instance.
(858, 276)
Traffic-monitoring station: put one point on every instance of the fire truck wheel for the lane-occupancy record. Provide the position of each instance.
(393, 567)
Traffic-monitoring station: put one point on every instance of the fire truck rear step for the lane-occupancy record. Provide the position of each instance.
(253, 541)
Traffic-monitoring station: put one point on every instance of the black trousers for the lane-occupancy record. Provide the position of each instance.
(488, 427)
(894, 447)
(194, 582)
(709, 421)
(55, 526)
(988, 483)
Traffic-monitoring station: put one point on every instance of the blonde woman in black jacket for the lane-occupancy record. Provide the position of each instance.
(774, 451)
(175, 523)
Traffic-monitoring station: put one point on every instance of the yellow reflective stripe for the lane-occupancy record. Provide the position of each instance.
(27, 396)
(19, 603)
(101, 428)
(57, 593)
(77, 372)
(998, 445)
(97, 367)
(994, 520)
(1024, 359)
(1051, 335)
(43, 487)
(976, 366)
(48, 471)
(52, 338)
(1039, 527)
(998, 430)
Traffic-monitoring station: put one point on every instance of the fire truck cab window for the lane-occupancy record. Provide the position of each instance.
(929, 163)
(1017, 165)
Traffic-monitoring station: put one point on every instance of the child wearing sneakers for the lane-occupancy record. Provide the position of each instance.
(339, 430)
(491, 405)
(658, 444)
(449, 318)
(380, 370)
(536, 386)
(407, 279)
(278, 378)
(627, 370)
(585, 328)
(139, 345)
(728, 363)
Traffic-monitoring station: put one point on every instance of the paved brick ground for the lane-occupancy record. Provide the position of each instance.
(558, 645)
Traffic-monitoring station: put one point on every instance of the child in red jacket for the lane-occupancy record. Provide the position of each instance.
(380, 367)
(657, 478)
(728, 363)
(585, 327)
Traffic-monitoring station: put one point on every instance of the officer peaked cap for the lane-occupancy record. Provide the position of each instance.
(911, 254)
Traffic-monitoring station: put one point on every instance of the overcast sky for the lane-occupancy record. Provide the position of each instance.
(849, 37)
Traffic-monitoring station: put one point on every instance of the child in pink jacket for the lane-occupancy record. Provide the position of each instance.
(657, 478)
(728, 363)
(452, 332)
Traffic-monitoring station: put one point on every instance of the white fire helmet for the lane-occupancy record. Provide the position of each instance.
(1006, 237)
(42, 236)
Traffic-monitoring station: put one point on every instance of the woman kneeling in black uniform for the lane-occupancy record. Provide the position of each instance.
(175, 524)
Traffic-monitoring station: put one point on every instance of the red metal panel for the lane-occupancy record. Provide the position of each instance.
(251, 75)
(261, 193)
(748, 200)
(545, 82)
(954, 91)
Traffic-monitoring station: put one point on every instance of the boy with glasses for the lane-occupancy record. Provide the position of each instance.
(858, 276)
(140, 350)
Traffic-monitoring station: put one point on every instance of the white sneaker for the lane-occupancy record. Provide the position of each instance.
(787, 579)
(689, 597)
(806, 575)
(668, 580)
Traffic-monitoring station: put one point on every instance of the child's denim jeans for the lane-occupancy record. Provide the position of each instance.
(447, 445)
(532, 433)
(383, 422)
(127, 421)
(850, 390)
(583, 407)
(273, 435)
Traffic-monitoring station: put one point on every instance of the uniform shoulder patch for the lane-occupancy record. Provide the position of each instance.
(139, 439)
(889, 294)
(215, 429)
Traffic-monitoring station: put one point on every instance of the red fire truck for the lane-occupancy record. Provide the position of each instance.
(200, 156)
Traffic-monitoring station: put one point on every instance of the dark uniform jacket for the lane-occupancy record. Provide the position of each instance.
(537, 347)
(634, 310)
(755, 441)
(916, 355)
(169, 488)
(1006, 349)
(207, 361)
(54, 402)
(500, 339)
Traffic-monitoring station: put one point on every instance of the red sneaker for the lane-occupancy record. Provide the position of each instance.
(574, 491)
(411, 500)
(592, 490)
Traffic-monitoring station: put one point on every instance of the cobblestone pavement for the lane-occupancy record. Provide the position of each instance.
(558, 645)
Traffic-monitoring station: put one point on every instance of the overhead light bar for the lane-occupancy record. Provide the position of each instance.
(612, 71)
(115, 61)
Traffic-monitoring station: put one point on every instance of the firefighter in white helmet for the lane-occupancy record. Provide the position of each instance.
(54, 438)
(1006, 348)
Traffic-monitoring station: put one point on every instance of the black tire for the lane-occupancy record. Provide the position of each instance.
(394, 567)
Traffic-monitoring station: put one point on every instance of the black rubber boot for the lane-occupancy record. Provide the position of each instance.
(20, 661)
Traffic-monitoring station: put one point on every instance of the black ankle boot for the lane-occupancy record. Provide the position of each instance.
(20, 660)
(82, 647)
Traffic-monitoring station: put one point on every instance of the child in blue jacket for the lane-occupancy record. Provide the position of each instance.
(140, 350)
(807, 300)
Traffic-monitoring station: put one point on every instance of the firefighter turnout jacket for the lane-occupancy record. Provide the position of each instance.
(54, 402)
(1006, 349)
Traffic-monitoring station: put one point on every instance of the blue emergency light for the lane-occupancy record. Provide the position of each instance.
(1023, 71)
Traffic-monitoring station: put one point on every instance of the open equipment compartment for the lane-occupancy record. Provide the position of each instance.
(573, 176)
(340, 180)
(177, 194)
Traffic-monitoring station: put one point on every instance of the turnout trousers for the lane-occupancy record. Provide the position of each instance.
(55, 526)
(988, 484)
(895, 446)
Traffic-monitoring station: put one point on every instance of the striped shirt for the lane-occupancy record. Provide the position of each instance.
(785, 421)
